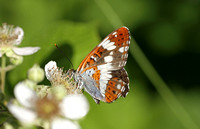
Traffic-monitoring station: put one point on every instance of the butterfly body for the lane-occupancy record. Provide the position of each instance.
(102, 72)
(85, 81)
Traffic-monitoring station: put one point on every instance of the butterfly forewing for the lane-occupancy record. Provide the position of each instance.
(113, 48)
(105, 65)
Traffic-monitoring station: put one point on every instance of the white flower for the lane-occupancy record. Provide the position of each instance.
(58, 77)
(72, 104)
(9, 39)
(63, 124)
(58, 113)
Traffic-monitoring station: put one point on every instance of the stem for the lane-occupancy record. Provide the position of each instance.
(3, 72)
(8, 68)
(167, 95)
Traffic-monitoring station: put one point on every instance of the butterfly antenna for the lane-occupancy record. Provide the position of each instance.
(64, 55)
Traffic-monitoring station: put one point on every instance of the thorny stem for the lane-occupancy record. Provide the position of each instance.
(3, 72)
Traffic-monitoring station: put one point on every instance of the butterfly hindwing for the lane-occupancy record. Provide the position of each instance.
(117, 86)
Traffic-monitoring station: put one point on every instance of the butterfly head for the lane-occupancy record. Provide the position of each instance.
(71, 72)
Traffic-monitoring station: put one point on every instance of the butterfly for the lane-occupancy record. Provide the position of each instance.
(102, 72)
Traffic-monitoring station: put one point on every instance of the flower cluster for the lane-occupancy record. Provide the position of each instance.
(57, 106)
(60, 105)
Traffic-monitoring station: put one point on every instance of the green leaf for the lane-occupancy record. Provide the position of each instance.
(4, 116)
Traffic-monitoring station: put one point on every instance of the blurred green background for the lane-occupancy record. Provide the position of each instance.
(168, 33)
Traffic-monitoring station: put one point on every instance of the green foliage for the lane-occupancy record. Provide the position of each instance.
(4, 117)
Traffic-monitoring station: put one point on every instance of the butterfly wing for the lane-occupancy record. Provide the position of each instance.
(102, 71)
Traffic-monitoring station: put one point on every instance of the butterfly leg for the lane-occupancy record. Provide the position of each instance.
(80, 85)
(96, 101)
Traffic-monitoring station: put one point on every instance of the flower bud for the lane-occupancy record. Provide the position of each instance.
(8, 126)
(36, 74)
(17, 60)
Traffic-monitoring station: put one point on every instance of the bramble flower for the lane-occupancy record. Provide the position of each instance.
(10, 38)
(59, 113)
(58, 77)
(55, 107)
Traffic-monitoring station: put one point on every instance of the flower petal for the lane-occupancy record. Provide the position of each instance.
(20, 33)
(25, 95)
(25, 50)
(50, 69)
(22, 114)
(75, 106)
(59, 123)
